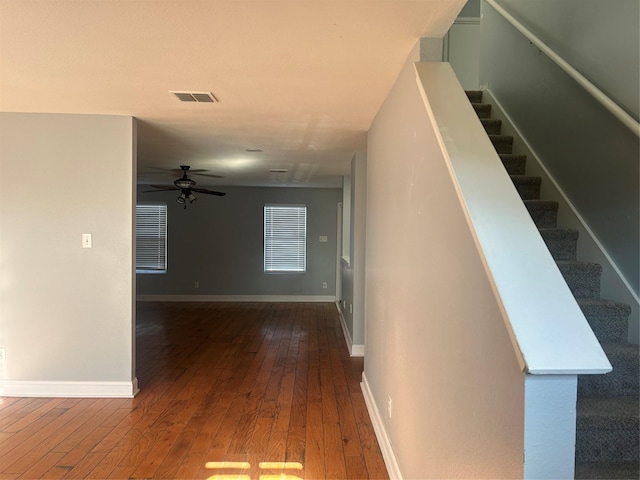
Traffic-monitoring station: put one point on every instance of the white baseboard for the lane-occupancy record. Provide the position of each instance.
(237, 298)
(357, 350)
(17, 388)
(381, 434)
(354, 350)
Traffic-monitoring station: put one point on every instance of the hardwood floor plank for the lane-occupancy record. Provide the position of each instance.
(270, 388)
(86, 465)
(333, 452)
(42, 466)
(370, 448)
(348, 427)
(314, 452)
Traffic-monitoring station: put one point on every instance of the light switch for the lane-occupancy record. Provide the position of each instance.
(86, 240)
(323, 238)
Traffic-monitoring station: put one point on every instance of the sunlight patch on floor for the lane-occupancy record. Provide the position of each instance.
(235, 470)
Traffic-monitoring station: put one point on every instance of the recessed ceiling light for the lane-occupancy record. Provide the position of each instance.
(278, 170)
(253, 150)
(198, 97)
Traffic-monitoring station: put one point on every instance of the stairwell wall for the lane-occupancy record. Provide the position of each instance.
(592, 157)
(436, 343)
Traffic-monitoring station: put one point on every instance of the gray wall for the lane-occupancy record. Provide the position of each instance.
(598, 38)
(592, 157)
(353, 273)
(67, 313)
(218, 242)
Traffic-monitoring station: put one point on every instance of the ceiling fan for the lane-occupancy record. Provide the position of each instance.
(186, 186)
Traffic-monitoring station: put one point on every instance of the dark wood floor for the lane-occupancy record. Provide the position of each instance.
(227, 391)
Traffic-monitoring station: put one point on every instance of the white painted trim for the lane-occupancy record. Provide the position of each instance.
(237, 298)
(357, 350)
(354, 350)
(467, 21)
(548, 330)
(613, 284)
(17, 388)
(550, 426)
(381, 433)
(626, 119)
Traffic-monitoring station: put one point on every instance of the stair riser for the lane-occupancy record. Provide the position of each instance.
(544, 216)
(617, 382)
(528, 191)
(483, 110)
(582, 282)
(600, 445)
(623, 380)
(608, 322)
(474, 96)
(502, 147)
(562, 248)
(514, 164)
(492, 127)
(608, 329)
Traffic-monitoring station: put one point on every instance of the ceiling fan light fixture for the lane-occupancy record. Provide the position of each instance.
(180, 199)
(192, 198)
(184, 183)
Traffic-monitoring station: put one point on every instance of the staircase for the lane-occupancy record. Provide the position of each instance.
(607, 425)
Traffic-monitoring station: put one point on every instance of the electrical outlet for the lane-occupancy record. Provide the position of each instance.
(3, 355)
(389, 405)
(324, 284)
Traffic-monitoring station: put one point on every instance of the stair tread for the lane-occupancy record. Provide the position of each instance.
(526, 179)
(607, 470)
(558, 232)
(621, 349)
(501, 138)
(579, 264)
(611, 412)
(603, 305)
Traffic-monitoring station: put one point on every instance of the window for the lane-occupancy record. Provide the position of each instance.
(285, 238)
(151, 238)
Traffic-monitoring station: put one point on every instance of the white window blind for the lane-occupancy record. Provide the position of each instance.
(285, 238)
(151, 238)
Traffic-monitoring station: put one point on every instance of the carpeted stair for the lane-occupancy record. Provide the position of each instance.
(607, 426)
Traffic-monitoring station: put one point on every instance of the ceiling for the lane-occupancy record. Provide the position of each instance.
(300, 80)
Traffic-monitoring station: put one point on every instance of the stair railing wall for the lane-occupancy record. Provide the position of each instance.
(547, 328)
(583, 146)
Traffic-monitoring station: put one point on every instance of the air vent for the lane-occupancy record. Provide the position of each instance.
(199, 97)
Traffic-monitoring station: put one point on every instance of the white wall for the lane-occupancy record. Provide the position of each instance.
(435, 339)
(66, 313)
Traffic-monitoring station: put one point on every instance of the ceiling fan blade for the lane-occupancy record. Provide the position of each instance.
(160, 190)
(201, 173)
(208, 192)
